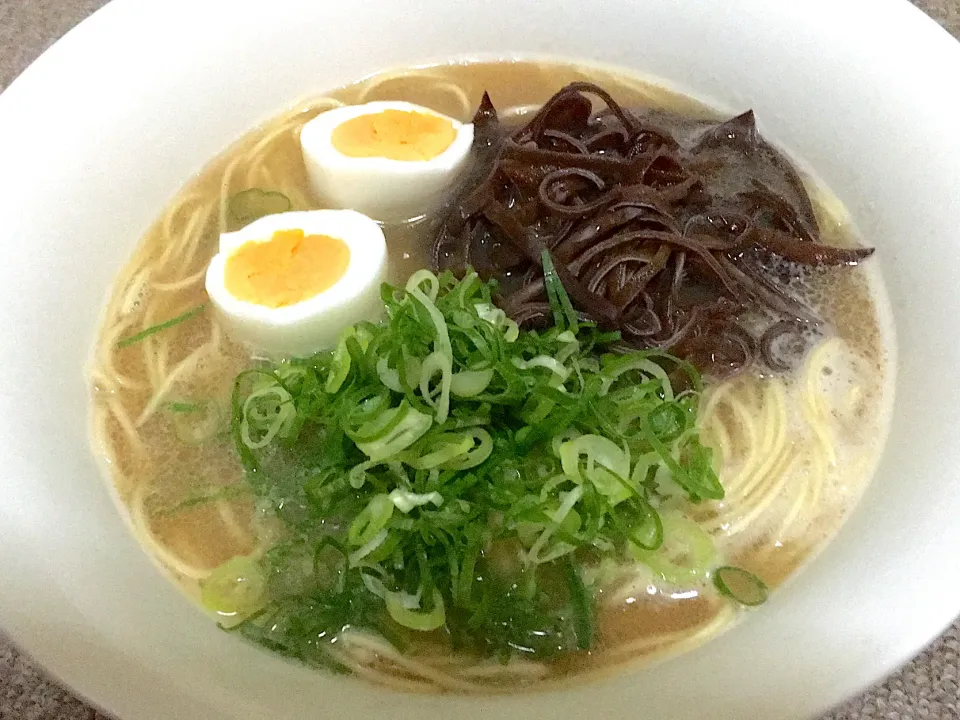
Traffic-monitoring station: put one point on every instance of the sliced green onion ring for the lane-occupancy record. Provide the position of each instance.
(276, 425)
(235, 588)
(607, 466)
(740, 585)
(413, 425)
(436, 451)
(686, 555)
(649, 535)
(480, 448)
(340, 363)
(371, 520)
(613, 369)
(470, 383)
(382, 421)
(417, 619)
(389, 376)
(415, 282)
(254, 203)
(367, 549)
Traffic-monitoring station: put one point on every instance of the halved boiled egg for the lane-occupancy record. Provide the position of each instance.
(389, 160)
(287, 284)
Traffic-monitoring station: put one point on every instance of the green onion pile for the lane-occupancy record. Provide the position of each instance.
(443, 472)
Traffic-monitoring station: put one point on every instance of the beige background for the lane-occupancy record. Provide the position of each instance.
(925, 689)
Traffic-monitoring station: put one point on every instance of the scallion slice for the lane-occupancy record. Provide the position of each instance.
(253, 204)
(740, 585)
(582, 606)
(417, 619)
(235, 588)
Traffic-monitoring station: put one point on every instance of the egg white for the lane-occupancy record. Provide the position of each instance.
(313, 324)
(386, 190)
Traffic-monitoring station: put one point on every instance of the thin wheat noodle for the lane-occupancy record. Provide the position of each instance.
(466, 106)
(812, 400)
(173, 561)
(105, 367)
(182, 368)
(180, 284)
(126, 424)
(230, 522)
(762, 503)
(385, 679)
(384, 650)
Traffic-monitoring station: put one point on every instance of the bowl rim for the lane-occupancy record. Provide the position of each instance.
(44, 76)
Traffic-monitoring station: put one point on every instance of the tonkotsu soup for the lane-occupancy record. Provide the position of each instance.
(487, 376)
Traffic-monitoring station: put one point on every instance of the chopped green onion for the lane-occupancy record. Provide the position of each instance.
(473, 476)
(381, 421)
(740, 585)
(405, 501)
(182, 407)
(564, 315)
(253, 204)
(470, 383)
(648, 534)
(437, 451)
(417, 619)
(367, 549)
(411, 426)
(498, 318)
(442, 357)
(605, 465)
(547, 362)
(565, 520)
(340, 365)
(700, 485)
(582, 606)
(616, 366)
(269, 410)
(452, 450)
(434, 363)
(371, 520)
(160, 327)
(686, 555)
(481, 447)
(416, 281)
(235, 588)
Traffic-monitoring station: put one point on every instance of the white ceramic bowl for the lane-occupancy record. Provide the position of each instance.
(107, 125)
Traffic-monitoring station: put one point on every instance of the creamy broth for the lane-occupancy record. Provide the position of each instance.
(797, 450)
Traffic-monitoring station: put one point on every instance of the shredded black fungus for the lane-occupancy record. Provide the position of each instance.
(666, 236)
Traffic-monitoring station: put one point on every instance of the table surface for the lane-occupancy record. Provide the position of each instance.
(925, 688)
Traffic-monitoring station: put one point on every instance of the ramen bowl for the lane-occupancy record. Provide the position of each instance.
(104, 129)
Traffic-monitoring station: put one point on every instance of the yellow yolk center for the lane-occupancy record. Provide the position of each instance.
(288, 268)
(394, 135)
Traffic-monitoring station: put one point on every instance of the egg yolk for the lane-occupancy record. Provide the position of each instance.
(394, 135)
(288, 268)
